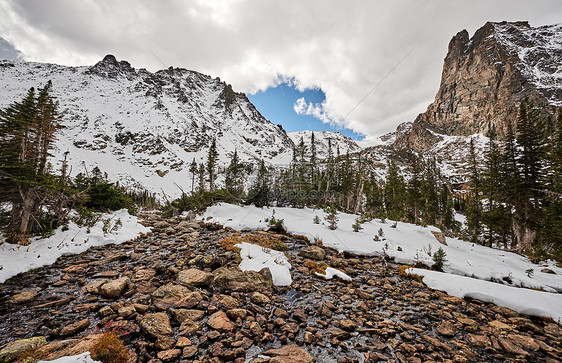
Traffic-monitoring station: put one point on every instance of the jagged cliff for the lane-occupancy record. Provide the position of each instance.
(485, 78)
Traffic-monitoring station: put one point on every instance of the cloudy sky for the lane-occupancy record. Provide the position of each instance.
(340, 48)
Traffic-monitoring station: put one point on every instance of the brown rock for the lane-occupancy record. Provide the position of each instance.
(347, 324)
(75, 327)
(170, 294)
(183, 342)
(511, 348)
(479, 340)
(126, 311)
(259, 298)
(189, 352)
(237, 313)
(313, 252)
(337, 333)
(234, 279)
(155, 324)
(524, 341)
(440, 237)
(219, 321)
(68, 347)
(447, 329)
(144, 275)
(180, 315)
(496, 324)
(289, 354)
(189, 327)
(114, 288)
(168, 355)
(23, 297)
(195, 277)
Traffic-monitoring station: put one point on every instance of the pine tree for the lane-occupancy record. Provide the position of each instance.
(27, 130)
(259, 191)
(473, 208)
(193, 169)
(530, 139)
(394, 192)
(211, 165)
(234, 176)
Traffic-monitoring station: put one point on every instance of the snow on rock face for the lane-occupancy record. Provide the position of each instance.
(256, 258)
(144, 128)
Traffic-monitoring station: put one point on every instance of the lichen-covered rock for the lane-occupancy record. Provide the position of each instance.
(155, 324)
(18, 347)
(234, 279)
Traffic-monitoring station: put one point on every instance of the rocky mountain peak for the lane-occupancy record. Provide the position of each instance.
(485, 78)
(109, 67)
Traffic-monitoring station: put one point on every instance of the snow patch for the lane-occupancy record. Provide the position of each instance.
(256, 258)
(15, 259)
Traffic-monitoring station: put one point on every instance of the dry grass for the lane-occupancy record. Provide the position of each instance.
(316, 267)
(402, 272)
(109, 349)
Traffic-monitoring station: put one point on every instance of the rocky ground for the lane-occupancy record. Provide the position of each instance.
(177, 295)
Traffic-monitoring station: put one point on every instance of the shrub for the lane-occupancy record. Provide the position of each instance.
(109, 349)
(332, 216)
(316, 220)
(438, 260)
(276, 225)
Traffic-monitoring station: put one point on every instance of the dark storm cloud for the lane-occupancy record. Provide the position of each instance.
(343, 47)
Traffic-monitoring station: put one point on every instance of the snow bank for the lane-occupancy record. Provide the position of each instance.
(255, 258)
(80, 358)
(15, 259)
(525, 301)
(406, 244)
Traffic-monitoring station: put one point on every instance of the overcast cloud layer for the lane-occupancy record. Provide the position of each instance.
(343, 47)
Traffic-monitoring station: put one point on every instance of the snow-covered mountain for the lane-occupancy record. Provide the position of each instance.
(144, 128)
(323, 139)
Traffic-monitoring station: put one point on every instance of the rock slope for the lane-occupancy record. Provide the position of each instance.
(177, 295)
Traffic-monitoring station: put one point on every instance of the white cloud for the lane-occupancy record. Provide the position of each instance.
(342, 47)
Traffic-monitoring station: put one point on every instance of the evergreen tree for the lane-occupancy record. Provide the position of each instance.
(27, 130)
(473, 208)
(234, 175)
(211, 165)
(394, 192)
(193, 169)
(259, 191)
(201, 177)
(530, 139)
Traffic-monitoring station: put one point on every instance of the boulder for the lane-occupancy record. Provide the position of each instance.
(113, 289)
(170, 294)
(180, 315)
(234, 279)
(18, 347)
(23, 297)
(74, 327)
(313, 252)
(195, 277)
(219, 321)
(155, 324)
(289, 354)
(440, 237)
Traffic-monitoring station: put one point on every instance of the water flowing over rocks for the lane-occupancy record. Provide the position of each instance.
(177, 297)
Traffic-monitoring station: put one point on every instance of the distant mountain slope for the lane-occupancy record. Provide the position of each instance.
(323, 139)
(484, 79)
(145, 128)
